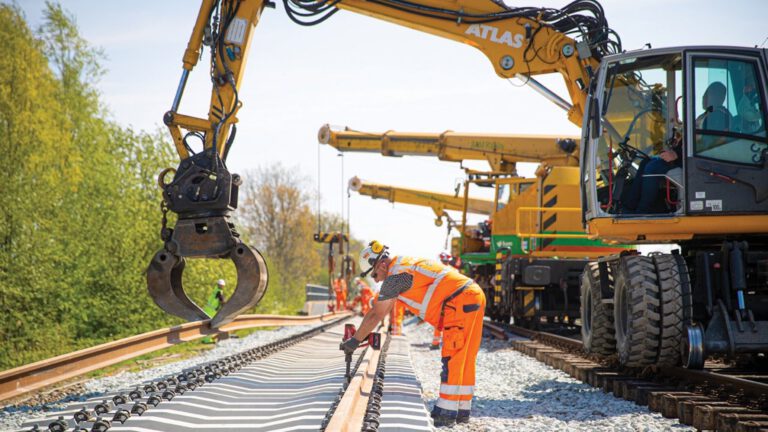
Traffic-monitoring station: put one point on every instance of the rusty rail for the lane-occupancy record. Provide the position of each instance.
(496, 330)
(34, 376)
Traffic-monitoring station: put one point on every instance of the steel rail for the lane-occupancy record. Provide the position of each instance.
(350, 412)
(34, 376)
(496, 331)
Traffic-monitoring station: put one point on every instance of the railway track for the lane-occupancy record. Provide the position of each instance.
(34, 376)
(717, 398)
(297, 383)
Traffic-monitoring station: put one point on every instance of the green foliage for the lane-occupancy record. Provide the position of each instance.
(80, 214)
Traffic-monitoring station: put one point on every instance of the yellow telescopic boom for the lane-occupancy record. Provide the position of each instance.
(438, 202)
(501, 151)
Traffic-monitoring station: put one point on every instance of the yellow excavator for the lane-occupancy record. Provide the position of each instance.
(530, 254)
(438, 202)
(704, 106)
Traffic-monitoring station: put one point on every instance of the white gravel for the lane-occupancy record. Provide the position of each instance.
(13, 417)
(516, 392)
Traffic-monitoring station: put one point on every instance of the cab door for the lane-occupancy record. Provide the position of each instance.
(727, 145)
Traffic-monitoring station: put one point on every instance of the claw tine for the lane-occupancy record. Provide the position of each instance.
(165, 288)
(251, 284)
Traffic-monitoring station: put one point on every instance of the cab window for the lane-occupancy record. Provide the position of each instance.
(729, 110)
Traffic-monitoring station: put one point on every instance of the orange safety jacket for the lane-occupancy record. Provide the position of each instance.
(433, 283)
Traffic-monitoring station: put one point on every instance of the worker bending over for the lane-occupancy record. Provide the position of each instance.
(442, 297)
(364, 296)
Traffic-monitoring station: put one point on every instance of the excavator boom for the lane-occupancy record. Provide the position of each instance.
(438, 202)
(501, 151)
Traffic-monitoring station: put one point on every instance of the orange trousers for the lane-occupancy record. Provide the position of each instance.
(462, 334)
(396, 318)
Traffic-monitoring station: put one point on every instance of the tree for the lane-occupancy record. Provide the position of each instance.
(276, 217)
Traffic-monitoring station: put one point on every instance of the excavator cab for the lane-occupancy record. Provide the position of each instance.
(672, 134)
(676, 151)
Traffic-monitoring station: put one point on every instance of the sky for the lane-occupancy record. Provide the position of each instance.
(367, 74)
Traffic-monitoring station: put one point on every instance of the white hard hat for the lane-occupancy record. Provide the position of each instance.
(220, 282)
(371, 255)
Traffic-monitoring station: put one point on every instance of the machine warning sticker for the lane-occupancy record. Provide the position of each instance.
(697, 205)
(715, 205)
(701, 195)
(236, 31)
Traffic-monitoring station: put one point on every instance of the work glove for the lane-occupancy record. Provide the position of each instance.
(349, 346)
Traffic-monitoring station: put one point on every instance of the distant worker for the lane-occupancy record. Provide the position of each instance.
(364, 297)
(340, 290)
(214, 303)
(442, 297)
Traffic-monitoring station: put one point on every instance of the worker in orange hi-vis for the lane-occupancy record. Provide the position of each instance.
(364, 297)
(442, 297)
(340, 290)
(396, 317)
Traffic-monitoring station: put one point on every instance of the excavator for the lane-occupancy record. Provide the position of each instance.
(707, 104)
(530, 255)
(438, 202)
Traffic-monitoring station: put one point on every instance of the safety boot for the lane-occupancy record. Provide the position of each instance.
(443, 417)
(462, 416)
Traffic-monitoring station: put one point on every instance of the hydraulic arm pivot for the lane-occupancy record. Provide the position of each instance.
(203, 192)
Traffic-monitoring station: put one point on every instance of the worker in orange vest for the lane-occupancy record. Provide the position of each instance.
(364, 296)
(340, 289)
(396, 318)
(442, 297)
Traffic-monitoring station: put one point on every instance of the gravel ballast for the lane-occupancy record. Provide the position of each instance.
(516, 392)
(12, 417)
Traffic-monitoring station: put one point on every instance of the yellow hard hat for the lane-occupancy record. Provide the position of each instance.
(371, 255)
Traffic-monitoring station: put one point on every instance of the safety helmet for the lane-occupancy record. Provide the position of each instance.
(445, 257)
(220, 282)
(371, 255)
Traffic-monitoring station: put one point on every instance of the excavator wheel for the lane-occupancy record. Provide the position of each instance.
(648, 311)
(597, 331)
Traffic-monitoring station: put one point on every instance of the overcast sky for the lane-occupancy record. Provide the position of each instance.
(371, 75)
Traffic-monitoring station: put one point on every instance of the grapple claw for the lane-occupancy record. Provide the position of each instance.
(164, 280)
(165, 287)
(251, 284)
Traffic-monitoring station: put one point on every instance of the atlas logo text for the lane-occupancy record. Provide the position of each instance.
(492, 33)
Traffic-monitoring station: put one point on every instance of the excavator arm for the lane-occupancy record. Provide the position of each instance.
(438, 202)
(520, 42)
(501, 151)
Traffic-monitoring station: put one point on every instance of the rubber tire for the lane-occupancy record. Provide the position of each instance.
(648, 311)
(673, 316)
(597, 334)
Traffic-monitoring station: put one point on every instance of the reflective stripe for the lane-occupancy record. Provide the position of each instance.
(456, 389)
(428, 273)
(409, 302)
(447, 404)
(397, 268)
(465, 405)
(430, 292)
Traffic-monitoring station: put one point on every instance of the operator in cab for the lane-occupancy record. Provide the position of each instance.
(444, 298)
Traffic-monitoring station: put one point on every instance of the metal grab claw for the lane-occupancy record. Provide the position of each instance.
(164, 281)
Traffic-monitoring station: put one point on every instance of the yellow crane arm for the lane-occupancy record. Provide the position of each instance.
(520, 42)
(438, 202)
(501, 151)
